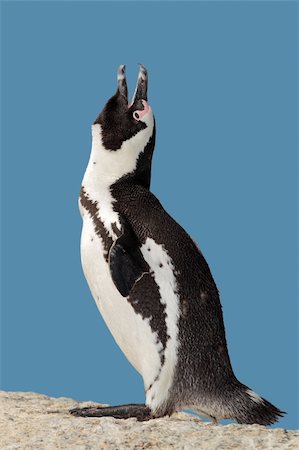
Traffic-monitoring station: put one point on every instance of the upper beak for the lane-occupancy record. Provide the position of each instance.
(122, 82)
(141, 87)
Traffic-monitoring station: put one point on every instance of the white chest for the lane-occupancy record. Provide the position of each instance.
(133, 335)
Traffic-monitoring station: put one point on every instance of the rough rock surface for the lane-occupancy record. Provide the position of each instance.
(34, 421)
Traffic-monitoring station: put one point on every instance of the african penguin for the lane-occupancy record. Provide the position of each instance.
(149, 279)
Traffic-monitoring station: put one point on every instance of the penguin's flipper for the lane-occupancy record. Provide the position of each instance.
(126, 262)
(140, 411)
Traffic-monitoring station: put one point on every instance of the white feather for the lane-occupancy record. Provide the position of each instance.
(164, 273)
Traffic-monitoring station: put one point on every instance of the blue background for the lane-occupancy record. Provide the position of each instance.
(223, 87)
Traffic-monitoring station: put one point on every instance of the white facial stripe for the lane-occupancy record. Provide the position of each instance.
(147, 118)
(113, 164)
(164, 274)
(105, 167)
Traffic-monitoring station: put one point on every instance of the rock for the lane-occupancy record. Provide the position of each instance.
(34, 421)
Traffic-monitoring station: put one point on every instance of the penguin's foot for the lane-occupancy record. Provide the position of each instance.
(140, 411)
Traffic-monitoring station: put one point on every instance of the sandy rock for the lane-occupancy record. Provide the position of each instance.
(34, 421)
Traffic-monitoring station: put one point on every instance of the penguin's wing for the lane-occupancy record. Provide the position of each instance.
(126, 262)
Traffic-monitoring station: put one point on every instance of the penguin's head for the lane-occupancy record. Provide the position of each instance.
(124, 133)
(121, 120)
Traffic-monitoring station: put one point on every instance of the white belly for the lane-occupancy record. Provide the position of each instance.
(132, 333)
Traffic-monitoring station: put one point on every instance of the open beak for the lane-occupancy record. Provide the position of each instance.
(141, 86)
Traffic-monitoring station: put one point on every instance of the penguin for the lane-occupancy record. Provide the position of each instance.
(150, 280)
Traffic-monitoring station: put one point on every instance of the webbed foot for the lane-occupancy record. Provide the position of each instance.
(140, 411)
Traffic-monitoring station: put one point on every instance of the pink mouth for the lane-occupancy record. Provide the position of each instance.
(143, 112)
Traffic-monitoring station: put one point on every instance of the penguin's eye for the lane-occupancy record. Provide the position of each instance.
(136, 115)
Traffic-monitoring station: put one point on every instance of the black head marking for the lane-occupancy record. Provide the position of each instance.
(117, 118)
(117, 122)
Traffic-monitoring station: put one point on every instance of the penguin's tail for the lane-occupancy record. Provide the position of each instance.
(247, 407)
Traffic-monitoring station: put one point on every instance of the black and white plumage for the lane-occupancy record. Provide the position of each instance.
(150, 281)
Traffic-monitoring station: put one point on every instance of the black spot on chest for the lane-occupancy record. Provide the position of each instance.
(93, 210)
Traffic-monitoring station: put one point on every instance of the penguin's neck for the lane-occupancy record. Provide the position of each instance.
(131, 162)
